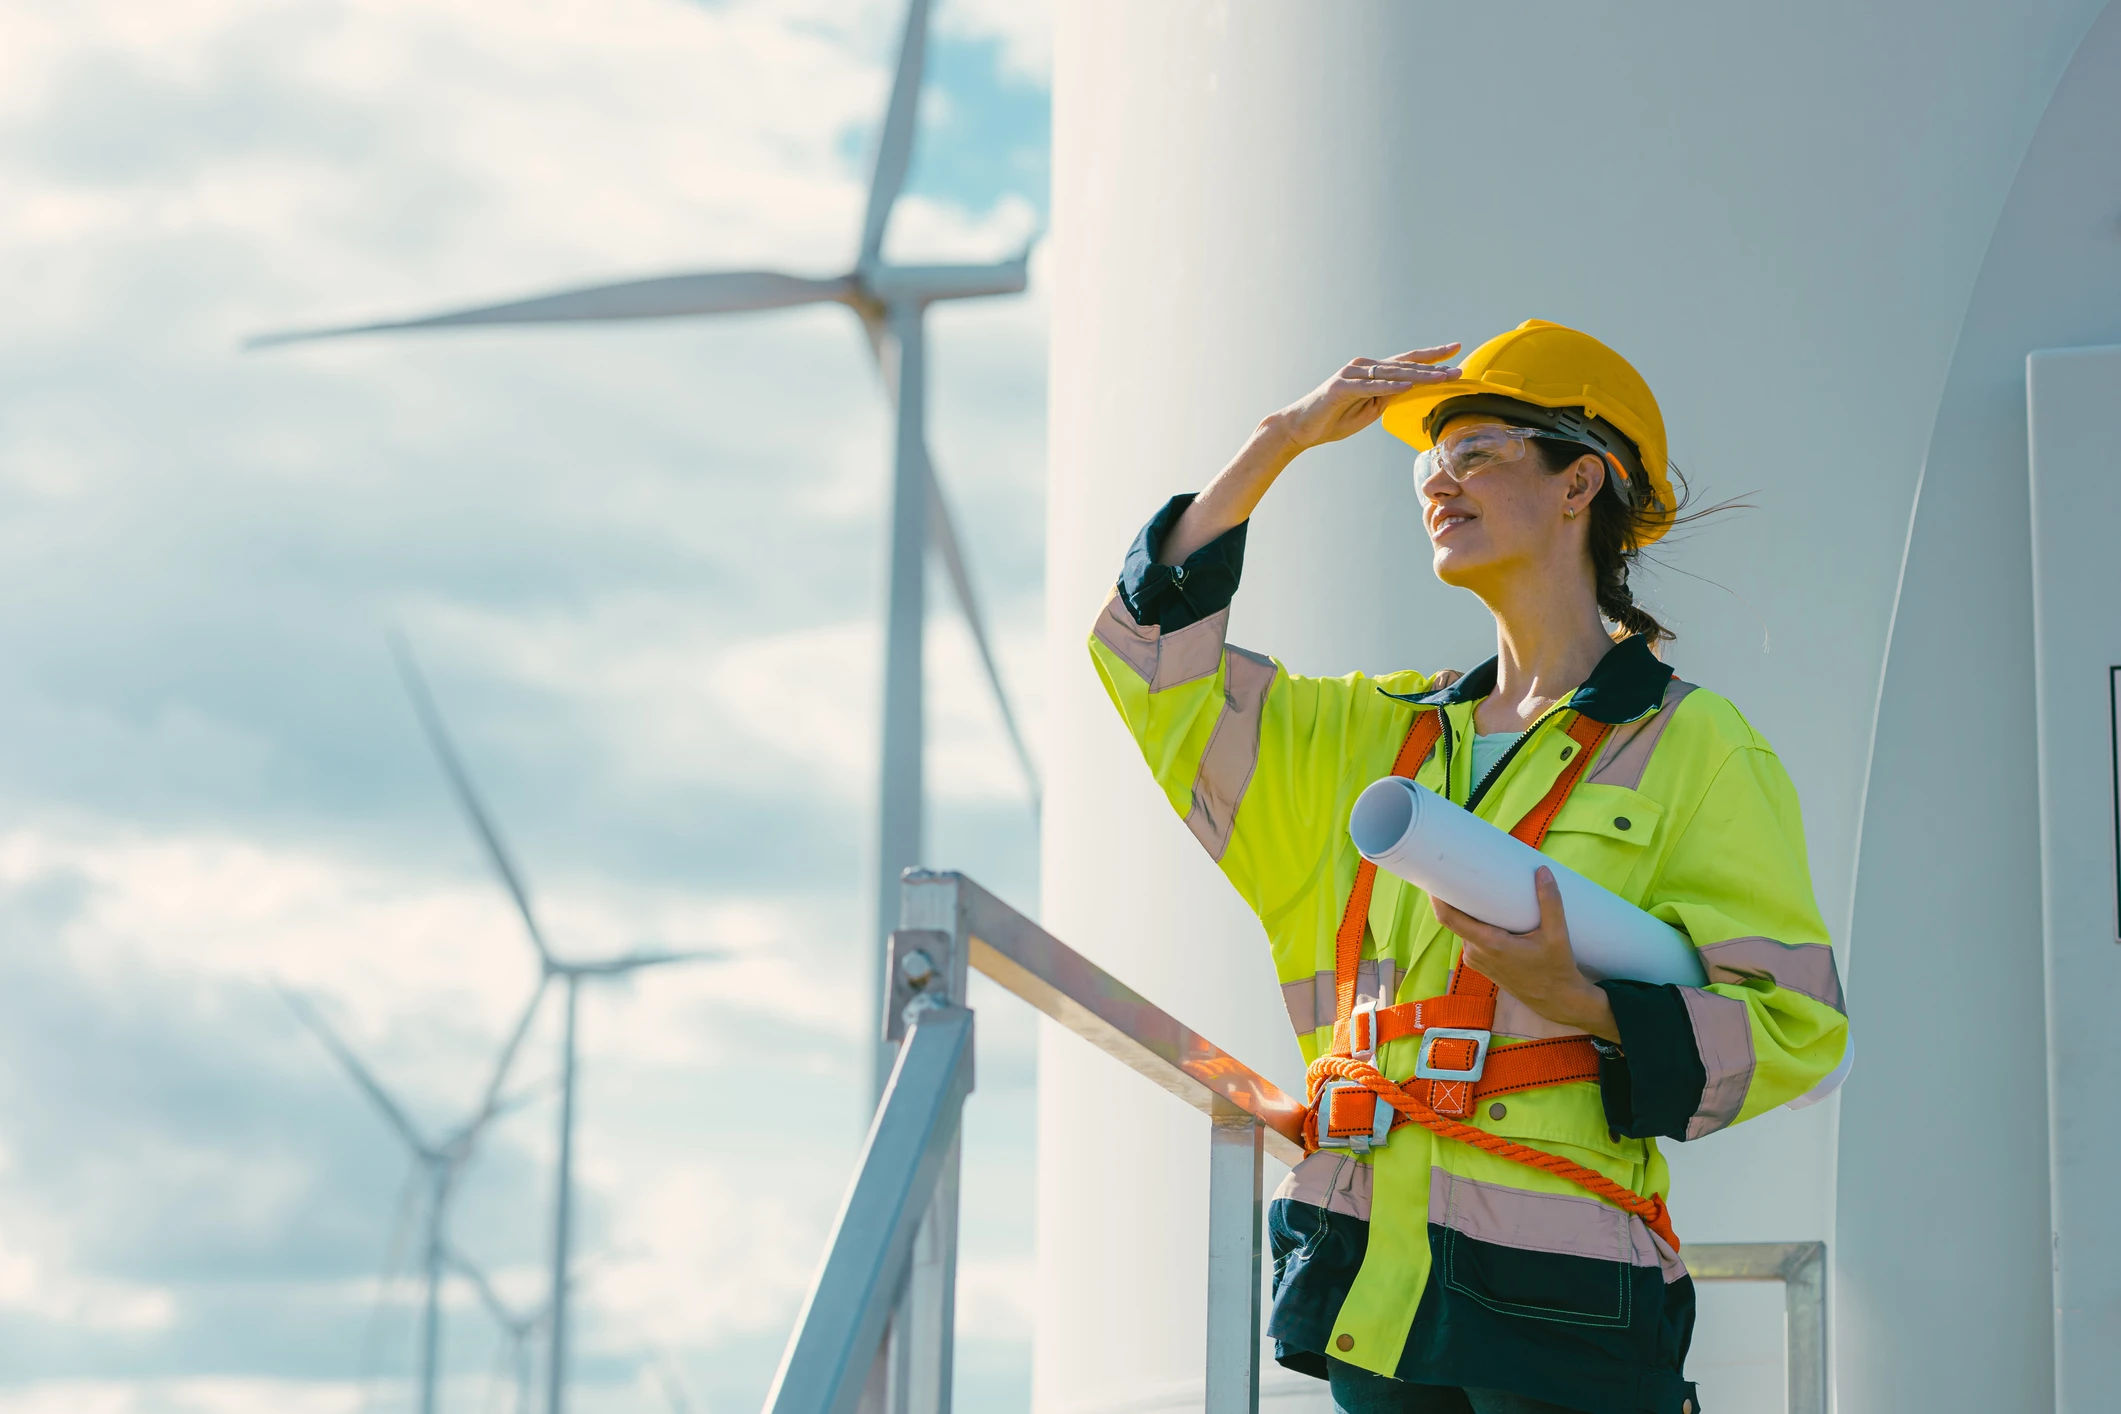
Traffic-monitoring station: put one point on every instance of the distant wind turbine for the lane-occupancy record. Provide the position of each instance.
(517, 1326)
(442, 1161)
(891, 301)
(568, 971)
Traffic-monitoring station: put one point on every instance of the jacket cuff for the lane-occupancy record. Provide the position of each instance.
(1654, 1085)
(1170, 597)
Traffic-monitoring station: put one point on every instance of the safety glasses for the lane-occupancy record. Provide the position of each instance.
(1467, 452)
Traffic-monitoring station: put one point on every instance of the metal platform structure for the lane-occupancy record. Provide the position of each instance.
(875, 1332)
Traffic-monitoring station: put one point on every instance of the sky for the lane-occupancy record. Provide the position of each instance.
(642, 567)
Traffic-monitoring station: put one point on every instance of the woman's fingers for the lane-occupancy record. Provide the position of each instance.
(1370, 375)
(1552, 918)
(1466, 926)
(1428, 355)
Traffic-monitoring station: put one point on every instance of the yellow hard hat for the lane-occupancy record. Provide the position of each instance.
(1551, 366)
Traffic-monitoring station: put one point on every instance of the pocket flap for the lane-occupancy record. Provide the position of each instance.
(1614, 812)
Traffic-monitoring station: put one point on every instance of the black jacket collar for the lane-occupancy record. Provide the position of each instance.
(1627, 684)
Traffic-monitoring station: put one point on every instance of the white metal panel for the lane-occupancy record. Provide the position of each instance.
(1776, 212)
(2073, 398)
(1943, 1239)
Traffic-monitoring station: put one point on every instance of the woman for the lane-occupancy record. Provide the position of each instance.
(1422, 1262)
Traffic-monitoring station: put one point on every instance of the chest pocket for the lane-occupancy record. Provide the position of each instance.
(1605, 834)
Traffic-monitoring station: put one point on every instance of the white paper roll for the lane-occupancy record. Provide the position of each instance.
(1479, 869)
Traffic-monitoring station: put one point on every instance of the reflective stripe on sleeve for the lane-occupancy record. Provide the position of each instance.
(1131, 642)
(1806, 968)
(1546, 1222)
(1190, 653)
(1162, 660)
(1233, 752)
(1723, 1035)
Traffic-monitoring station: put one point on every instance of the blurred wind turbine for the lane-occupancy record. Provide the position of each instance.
(442, 1160)
(568, 971)
(891, 301)
(517, 1326)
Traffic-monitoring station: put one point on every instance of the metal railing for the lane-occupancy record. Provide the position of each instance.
(875, 1333)
(1801, 1268)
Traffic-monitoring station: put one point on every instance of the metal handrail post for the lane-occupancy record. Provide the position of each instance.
(1801, 1268)
(926, 966)
(922, 1342)
(829, 1360)
(1804, 1323)
(1236, 1147)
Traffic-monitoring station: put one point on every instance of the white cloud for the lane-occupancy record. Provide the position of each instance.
(199, 1395)
(642, 566)
(36, 1286)
(1023, 27)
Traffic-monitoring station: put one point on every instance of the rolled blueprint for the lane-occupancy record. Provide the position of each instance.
(1478, 869)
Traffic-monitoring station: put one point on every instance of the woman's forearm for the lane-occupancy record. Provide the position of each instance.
(1341, 406)
(1230, 498)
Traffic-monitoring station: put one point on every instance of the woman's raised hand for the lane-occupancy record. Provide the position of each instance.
(1355, 397)
(1340, 407)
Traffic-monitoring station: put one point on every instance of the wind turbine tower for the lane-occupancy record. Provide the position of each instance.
(569, 972)
(892, 303)
(440, 1160)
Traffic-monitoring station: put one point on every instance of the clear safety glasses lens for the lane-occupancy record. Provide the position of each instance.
(1464, 455)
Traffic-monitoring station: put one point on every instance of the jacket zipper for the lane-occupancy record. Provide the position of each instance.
(1480, 790)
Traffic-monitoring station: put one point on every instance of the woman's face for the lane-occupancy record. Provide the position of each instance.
(1511, 519)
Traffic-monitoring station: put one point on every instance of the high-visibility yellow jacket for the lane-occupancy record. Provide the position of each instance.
(1430, 1260)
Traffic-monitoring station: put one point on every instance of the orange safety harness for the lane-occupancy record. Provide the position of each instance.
(1454, 1061)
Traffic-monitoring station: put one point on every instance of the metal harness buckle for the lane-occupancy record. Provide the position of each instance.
(1366, 1014)
(1381, 1125)
(1424, 1069)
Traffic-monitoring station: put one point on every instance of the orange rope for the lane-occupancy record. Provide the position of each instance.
(1651, 1210)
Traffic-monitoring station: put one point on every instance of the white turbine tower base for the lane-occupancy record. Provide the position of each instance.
(891, 301)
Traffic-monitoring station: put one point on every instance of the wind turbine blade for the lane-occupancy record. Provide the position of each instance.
(370, 1086)
(423, 704)
(387, 1276)
(665, 297)
(634, 961)
(942, 533)
(506, 1319)
(894, 149)
(490, 1106)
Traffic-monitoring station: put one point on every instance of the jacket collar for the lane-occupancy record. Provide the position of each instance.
(1627, 684)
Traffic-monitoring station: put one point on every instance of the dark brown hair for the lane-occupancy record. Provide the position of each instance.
(1618, 533)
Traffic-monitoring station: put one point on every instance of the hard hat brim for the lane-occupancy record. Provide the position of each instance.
(1407, 416)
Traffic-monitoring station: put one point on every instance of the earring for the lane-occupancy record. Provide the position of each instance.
(1569, 515)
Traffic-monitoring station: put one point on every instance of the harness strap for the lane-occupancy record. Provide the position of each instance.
(1422, 737)
(1456, 1097)
(1469, 1004)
